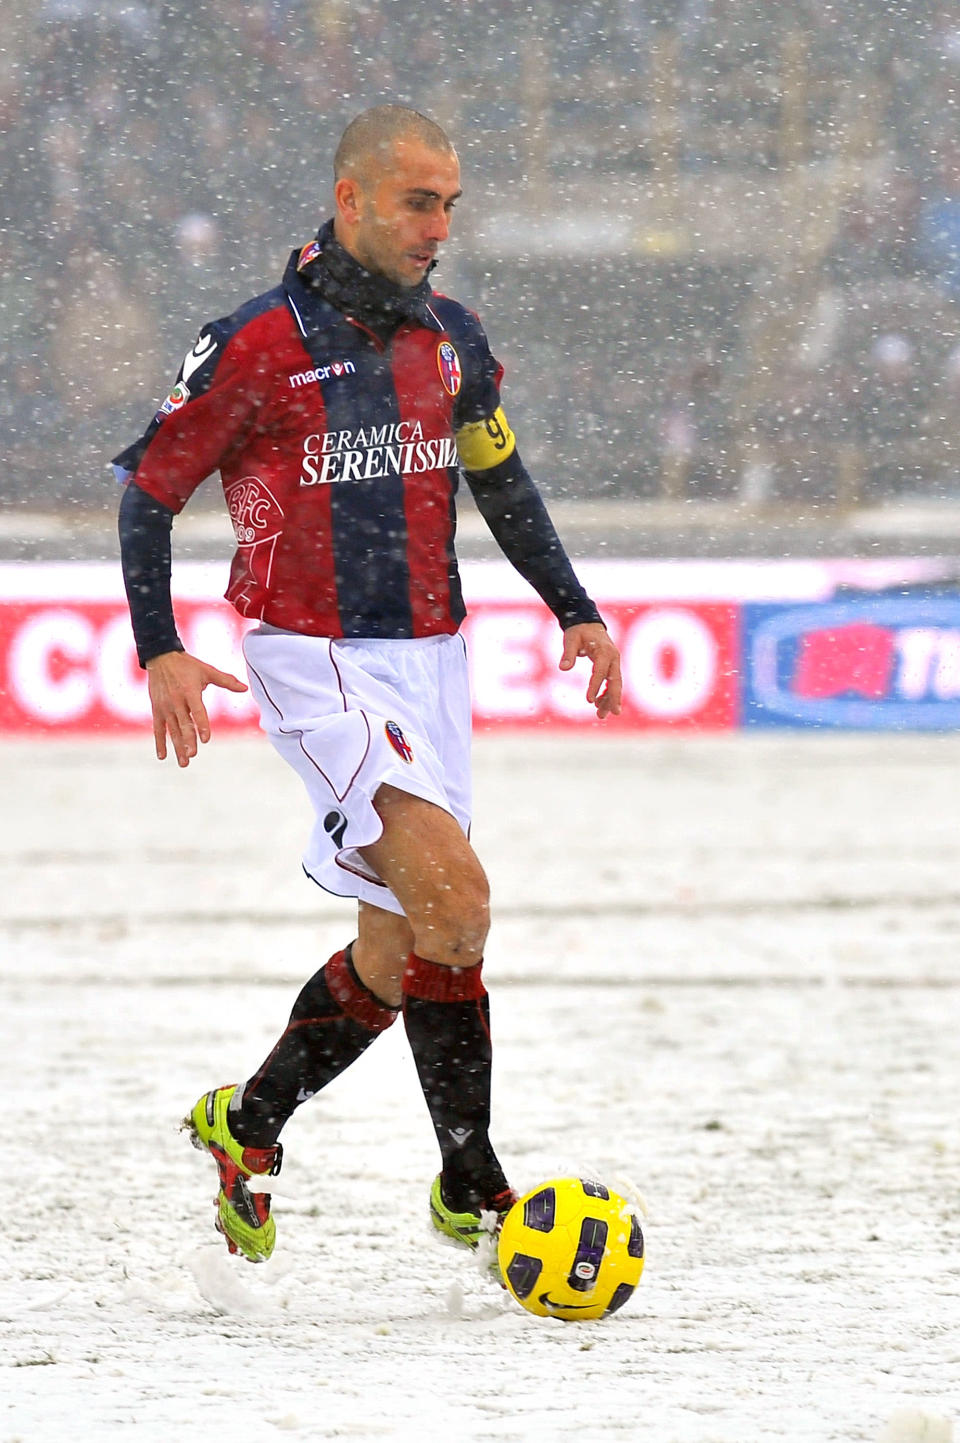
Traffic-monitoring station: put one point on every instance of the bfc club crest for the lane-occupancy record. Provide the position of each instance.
(398, 741)
(448, 363)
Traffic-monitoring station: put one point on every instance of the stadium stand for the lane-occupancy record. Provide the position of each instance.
(717, 243)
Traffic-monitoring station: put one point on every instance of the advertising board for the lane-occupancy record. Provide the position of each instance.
(887, 662)
(705, 645)
(67, 662)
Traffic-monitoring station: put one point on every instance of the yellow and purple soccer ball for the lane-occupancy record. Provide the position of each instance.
(571, 1249)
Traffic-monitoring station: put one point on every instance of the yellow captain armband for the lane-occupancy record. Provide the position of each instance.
(483, 444)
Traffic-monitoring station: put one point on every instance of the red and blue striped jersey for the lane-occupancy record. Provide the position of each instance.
(339, 457)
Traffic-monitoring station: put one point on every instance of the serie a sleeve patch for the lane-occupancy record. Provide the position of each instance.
(482, 444)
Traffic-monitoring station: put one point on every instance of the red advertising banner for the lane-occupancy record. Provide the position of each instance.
(679, 665)
(67, 663)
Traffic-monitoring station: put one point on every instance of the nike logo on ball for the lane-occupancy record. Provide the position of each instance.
(548, 1302)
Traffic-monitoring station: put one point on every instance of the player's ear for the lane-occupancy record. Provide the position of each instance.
(349, 199)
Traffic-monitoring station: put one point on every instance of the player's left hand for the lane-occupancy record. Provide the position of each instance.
(591, 639)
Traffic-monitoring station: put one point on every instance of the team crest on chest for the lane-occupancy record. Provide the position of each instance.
(254, 511)
(448, 364)
(398, 741)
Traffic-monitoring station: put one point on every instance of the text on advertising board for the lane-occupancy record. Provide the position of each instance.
(878, 663)
(70, 665)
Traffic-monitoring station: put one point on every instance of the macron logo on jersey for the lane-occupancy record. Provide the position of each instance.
(397, 449)
(322, 373)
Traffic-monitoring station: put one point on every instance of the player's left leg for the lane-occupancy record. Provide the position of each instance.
(425, 858)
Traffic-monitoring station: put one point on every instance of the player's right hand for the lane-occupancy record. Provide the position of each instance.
(176, 682)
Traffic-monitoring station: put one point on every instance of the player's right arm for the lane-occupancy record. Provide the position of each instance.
(176, 682)
(175, 679)
(210, 408)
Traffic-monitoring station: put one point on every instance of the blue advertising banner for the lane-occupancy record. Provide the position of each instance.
(883, 662)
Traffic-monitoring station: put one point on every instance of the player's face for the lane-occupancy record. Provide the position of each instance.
(395, 222)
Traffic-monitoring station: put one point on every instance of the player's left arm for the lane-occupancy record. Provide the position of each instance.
(605, 688)
(511, 505)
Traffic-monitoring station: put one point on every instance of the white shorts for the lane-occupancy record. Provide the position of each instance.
(351, 715)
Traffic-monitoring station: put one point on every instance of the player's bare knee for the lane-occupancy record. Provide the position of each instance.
(453, 924)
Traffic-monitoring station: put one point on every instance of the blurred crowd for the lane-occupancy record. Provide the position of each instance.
(159, 159)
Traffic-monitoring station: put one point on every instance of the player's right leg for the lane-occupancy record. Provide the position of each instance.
(334, 1019)
(243, 1216)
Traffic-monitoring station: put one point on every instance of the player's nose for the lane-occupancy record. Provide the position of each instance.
(439, 227)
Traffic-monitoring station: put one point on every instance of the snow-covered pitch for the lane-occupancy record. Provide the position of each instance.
(723, 971)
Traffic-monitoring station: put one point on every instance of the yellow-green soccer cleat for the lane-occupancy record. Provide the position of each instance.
(242, 1216)
(477, 1230)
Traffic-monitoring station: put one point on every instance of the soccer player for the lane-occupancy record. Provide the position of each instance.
(339, 408)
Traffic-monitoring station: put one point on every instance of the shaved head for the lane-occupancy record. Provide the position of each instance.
(396, 183)
(367, 145)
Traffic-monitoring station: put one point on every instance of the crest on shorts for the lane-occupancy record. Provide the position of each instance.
(448, 364)
(398, 741)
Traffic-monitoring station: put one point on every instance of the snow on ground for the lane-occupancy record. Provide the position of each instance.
(722, 968)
